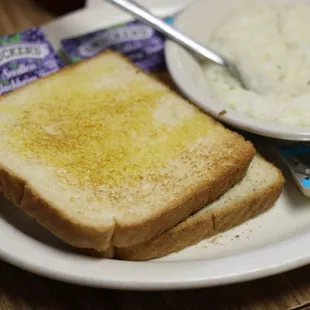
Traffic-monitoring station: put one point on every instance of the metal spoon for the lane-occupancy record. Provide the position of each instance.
(142, 14)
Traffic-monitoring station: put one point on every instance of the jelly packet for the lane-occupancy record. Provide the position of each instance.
(139, 42)
(24, 57)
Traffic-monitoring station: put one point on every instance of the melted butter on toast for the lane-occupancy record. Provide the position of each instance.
(105, 136)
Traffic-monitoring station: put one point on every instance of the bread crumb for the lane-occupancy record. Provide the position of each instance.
(223, 112)
(215, 239)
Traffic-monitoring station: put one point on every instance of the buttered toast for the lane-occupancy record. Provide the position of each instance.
(103, 155)
(254, 194)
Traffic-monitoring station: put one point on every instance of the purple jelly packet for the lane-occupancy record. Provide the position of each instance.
(24, 57)
(140, 43)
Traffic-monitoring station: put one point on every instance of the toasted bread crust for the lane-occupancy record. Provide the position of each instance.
(191, 202)
(189, 233)
(17, 190)
(92, 237)
(102, 238)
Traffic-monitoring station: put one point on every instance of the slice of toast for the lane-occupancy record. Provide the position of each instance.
(256, 193)
(102, 154)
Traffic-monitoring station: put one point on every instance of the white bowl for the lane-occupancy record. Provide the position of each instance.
(199, 21)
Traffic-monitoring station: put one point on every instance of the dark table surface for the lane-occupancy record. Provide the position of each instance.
(20, 290)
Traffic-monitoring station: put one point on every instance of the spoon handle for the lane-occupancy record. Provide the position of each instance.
(148, 18)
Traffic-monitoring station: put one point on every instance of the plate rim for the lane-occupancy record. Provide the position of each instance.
(253, 266)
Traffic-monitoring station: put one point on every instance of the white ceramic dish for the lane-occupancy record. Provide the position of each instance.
(262, 249)
(199, 20)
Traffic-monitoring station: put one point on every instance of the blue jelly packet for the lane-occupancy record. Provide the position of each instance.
(24, 57)
(140, 43)
(296, 157)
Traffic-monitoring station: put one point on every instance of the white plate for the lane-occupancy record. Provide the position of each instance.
(274, 242)
(199, 21)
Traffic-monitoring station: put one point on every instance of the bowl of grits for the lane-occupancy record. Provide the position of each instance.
(269, 41)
